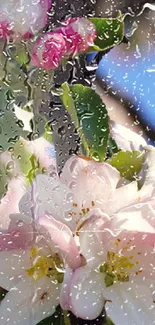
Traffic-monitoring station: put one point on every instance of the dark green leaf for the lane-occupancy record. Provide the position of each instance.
(109, 321)
(112, 147)
(128, 163)
(110, 32)
(89, 115)
(3, 292)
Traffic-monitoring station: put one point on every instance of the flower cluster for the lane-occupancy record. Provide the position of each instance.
(83, 240)
(75, 36)
(22, 19)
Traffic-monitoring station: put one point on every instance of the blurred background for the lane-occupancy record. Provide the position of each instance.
(126, 75)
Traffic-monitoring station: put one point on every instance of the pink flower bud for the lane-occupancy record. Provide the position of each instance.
(22, 18)
(79, 34)
(48, 51)
(4, 30)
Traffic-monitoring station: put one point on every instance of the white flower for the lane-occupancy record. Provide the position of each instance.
(37, 262)
(125, 138)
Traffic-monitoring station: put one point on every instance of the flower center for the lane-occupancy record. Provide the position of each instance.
(117, 268)
(51, 266)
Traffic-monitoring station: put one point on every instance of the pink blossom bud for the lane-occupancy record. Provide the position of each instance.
(4, 30)
(22, 18)
(79, 34)
(48, 51)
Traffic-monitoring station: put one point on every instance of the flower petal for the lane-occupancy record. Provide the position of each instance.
(9, 203)
(142, 213)
(125, 138)
(122, 197)
(29, 302)
(130, 304)
(91, 243)
(65, 289)
(51, 196)
(20, 234)
(13, 267)
(44, 152)
(86, 297)
(62, 239)
(92, 181)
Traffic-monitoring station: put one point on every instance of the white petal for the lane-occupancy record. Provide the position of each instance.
(142, 213)
(91, 237)
(125, 138)
(86, 297)
(122, 197)
(43, 150)
(9, 203)
(29, 302)
(55, 198)
(13, 265)
(61, 238)
(130, 304)
(91, 180)
(65, 289)
(24, 116)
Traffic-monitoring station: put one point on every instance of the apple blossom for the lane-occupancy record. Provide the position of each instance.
(120, 266)
(117, 242)
(82, 185)
(37, 261)
(79, 34)
(22, 18)
(116, 229)
(16, 183)
(48, 51)
(75, 36)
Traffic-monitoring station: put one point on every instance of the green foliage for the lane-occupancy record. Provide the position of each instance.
(90, 117)
(110, 32)
(128, 163)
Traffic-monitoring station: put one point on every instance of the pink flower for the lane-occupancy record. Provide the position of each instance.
(120, 267)
(117, 241)
(22, 18)
(76, 36)
(48, 51)
(79, 34)
(83, 185)
(37, 262)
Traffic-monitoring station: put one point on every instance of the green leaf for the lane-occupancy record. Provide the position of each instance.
(10, 130)
(128, 163)
(28, 163)
(109, 321)
(90, 117)
(110, 32)
(3, 292)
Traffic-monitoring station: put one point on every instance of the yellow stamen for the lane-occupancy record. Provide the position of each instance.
(51, 266)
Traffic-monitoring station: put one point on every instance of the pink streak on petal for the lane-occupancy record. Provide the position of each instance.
(62, 238)
(9, 203)
(19, 235)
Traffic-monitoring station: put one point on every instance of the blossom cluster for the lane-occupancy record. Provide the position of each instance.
(24, 19)
(75, 36)
(84, 240)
